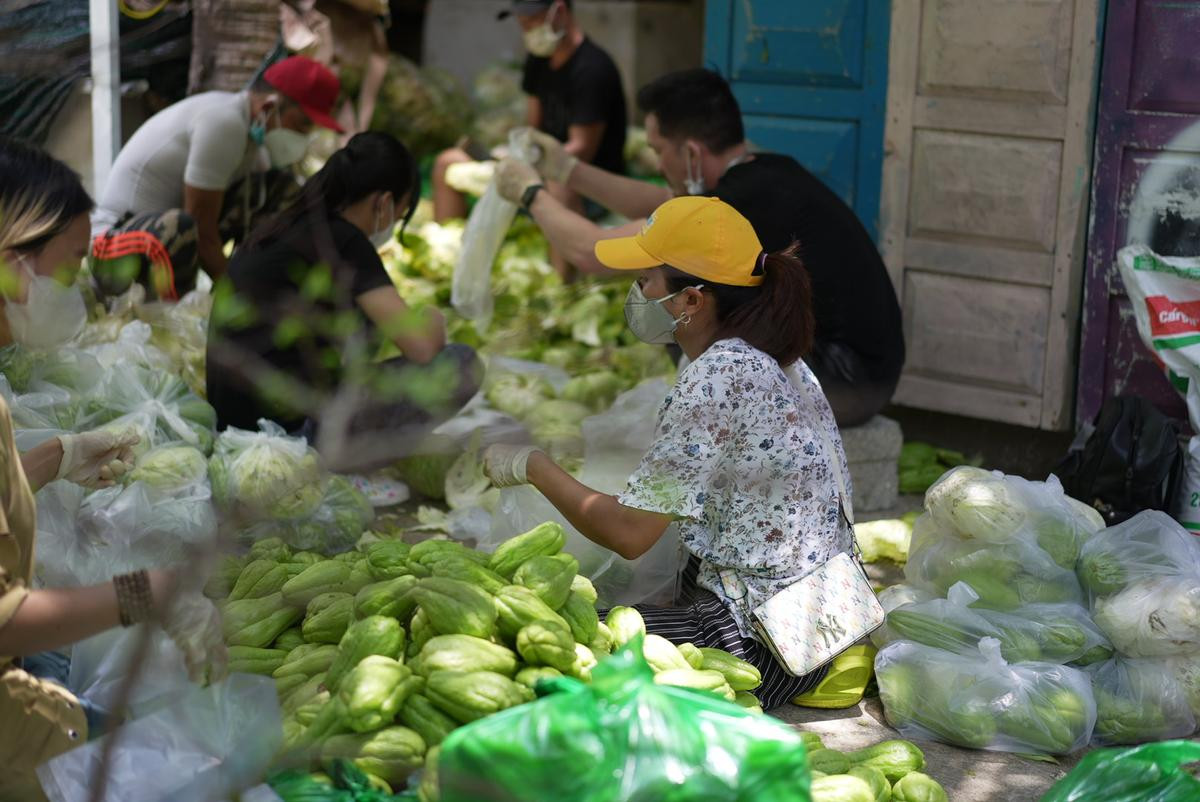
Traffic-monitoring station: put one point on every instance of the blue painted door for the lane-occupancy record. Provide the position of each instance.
(811, 78)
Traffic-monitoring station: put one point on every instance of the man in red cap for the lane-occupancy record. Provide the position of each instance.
(167, 208)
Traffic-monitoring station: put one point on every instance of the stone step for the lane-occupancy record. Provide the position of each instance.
(872, 454)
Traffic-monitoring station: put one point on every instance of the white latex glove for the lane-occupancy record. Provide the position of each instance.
(513, 177)
(505, 465)
(96, 459)
(194, 623)
(553, 161)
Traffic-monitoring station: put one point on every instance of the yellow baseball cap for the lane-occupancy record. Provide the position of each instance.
(703, 237)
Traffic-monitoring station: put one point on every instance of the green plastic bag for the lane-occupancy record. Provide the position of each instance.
(623, 739)
(1148, 773)
(350, 784)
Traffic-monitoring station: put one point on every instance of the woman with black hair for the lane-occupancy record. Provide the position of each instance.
(746, 457)
(294, 338)
(43, 240)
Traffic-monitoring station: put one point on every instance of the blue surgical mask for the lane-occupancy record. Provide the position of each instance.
(649, 321)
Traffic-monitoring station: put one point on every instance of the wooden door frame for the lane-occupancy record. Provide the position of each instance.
(1074, 126)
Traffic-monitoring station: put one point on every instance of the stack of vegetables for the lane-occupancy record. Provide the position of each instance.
(990, 644)
(1142, 579)
(889, 771)
(378, 653)
(270, 485)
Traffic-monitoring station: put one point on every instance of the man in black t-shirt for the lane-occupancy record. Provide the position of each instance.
(574, 95)
(694, 124)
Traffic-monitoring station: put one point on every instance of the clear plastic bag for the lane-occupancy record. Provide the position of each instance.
(1058, 633)
(1004, 575)
(990, 506)
(1149, 545)
(268, 484)
(890, 598)
(623, 738)
(85, 539)
(982, 702)
(471, 287)
(155, 403)
(1138, 701)
(132, 346)
(211, 744)
(101, 664)
(615, 442)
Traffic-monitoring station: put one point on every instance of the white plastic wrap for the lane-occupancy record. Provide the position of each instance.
(982, 702)
(471, 287)
(210, 745)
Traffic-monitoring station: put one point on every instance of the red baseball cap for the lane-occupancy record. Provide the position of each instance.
(310, 85)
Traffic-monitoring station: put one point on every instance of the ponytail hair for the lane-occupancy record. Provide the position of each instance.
(775, 317)
(372, 161)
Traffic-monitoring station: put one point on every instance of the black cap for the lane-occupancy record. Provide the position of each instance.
(526, 8)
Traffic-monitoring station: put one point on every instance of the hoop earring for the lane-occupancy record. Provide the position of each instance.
(685, 321)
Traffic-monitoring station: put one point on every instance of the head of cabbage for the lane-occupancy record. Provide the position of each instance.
(517, 394)
(170, 467)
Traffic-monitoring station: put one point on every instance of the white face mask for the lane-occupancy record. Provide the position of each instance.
(285, 146)
(649, 321)
(385, 230)
(543, 40)
(693, 185)
(51, 315)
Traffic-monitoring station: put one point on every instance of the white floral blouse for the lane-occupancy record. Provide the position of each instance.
(738, 458)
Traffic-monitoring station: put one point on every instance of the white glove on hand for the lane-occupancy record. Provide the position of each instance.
(194, 623)
(96, 459)
(505, 465)
(553, 162)
(513, 177)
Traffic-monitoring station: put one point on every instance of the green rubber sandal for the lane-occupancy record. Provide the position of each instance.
(847, 680)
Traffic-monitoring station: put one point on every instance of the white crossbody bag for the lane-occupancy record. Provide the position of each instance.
(819, 617)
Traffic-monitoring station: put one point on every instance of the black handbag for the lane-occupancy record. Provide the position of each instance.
(1131, 460)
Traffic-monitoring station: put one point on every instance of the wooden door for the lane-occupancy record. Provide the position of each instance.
(811, 79)
(985, 183)
(1146, 189)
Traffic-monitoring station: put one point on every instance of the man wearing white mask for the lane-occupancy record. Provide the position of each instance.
(695, 125)
(574, 94)
(163, 213)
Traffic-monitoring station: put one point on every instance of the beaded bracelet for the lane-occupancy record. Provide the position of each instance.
(134, 602)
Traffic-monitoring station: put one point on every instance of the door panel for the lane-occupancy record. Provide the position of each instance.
(811, 79)
(958, 334)
(984, 181)
(995, 190)
(1008, 50)
(1146, 190)
(800, 44)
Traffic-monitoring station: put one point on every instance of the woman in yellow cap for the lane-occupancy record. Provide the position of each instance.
(746, 447)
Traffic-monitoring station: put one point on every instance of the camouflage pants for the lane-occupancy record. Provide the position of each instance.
(159, 249)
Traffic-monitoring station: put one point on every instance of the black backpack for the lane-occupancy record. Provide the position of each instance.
(1131, 460)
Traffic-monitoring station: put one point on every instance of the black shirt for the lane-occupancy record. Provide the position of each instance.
(584, 90)
(302, 309)
(853, 300)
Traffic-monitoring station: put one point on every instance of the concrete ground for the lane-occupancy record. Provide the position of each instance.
(967, 775)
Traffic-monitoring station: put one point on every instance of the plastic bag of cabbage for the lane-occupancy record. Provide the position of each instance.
(981, 701)
(1143, 579)
(270, 485)
(1141, 700)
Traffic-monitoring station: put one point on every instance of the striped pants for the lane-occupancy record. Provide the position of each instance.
(702, 619)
